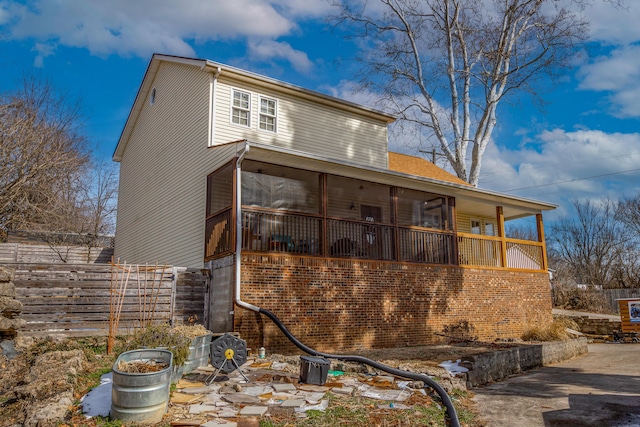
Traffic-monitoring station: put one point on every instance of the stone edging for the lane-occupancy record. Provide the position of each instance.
(498, 365)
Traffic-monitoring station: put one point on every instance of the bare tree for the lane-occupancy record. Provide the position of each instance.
(521, 231)
(628, 271)
(84, 213)
(98, 205)
(593, 242)
(42, 154)
(629, 213)
(445, 65)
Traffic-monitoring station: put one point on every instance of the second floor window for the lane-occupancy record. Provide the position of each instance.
(476, 226)
(240, 111)
(268, 113)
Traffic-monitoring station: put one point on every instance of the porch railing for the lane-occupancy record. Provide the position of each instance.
(432, 247)
(525, 254)
(267, 231)
(486, 251)
(270, 231)
(218, 234)
(357, 239)
(296, 233)
(481, 251)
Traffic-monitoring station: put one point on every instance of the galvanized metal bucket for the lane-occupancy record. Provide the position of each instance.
(141, 397)
(198, 353)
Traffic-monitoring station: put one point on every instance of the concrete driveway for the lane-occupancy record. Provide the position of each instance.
(599, 389)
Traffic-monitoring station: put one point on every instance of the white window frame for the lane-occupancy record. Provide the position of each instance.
(235, 107)
(479, 226)
(489, 225)
(482, 227)
(273, 116)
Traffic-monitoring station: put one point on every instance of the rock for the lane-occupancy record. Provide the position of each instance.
(241, 399)
(11, 324)
(51, 374)
(10, 307)
(49, 411)
(6, 275)
(22, 343)
(8, 349)
(7, 289)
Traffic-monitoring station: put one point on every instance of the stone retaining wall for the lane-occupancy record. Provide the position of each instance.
(591, 326)
(498, 365)
(10, 307)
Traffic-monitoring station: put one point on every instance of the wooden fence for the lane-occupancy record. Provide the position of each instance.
(23, 253)
(77, 299)
(612, 295)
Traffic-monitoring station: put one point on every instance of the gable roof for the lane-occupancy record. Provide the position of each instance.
(420, 167)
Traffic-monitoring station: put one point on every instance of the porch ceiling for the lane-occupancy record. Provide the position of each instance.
(468, 199)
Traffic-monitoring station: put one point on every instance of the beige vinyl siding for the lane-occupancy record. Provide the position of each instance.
(464, 222)
(303, 125)
(161, 216)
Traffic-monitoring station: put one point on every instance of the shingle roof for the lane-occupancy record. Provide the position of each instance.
(417, 166)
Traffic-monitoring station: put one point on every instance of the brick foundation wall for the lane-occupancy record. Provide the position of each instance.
(345, 305)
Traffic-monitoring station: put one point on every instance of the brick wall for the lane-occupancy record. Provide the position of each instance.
(344, 305)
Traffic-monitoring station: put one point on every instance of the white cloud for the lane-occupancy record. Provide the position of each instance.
(612, 72)
(349, 90)
(142, 27)
(269, 50)
(4, 13)
(304, 8)
(619, 74)
(613, 24)
(585, 164)
(44, 50)
(628, 101)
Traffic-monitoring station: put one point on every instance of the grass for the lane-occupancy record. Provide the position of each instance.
(107, 422)
(364, 412)
(555, 331)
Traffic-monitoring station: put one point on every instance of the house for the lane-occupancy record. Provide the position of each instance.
(293, 202)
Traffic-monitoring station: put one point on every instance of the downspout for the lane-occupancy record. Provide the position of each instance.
(213, 79)
(428, 381)
(238, 201)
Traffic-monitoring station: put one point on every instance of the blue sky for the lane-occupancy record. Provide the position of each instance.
(584, 145)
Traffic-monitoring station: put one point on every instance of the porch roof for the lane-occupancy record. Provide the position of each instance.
(468, 198)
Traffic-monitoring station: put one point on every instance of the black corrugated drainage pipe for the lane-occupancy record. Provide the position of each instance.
(446, 400)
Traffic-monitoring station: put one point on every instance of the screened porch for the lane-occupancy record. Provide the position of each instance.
(308, 213)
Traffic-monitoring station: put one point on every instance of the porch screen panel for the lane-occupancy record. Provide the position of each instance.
(276, 187)
(347, 196)
(420, 209)
(220, 189)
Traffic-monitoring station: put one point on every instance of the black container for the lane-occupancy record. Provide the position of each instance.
(313, 370)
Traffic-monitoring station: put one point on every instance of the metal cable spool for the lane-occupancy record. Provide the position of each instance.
(228, 353)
